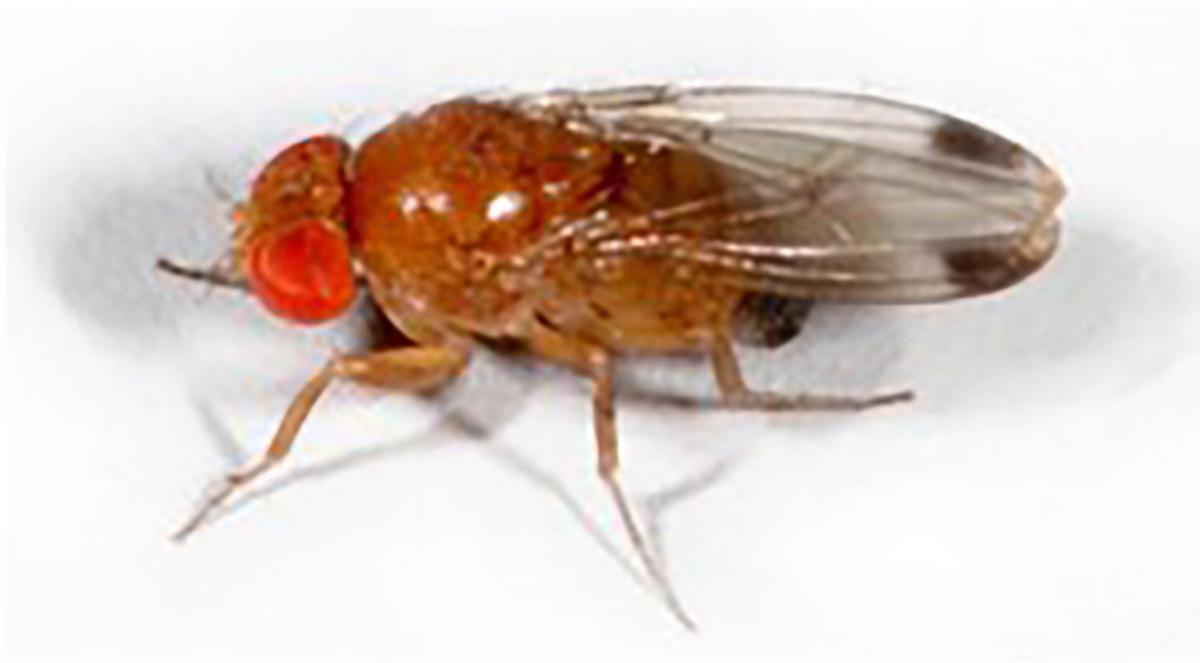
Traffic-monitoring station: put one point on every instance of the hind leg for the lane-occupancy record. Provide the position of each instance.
(736, 394)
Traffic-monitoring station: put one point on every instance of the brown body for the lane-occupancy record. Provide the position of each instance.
(443, 205)
(586, 226)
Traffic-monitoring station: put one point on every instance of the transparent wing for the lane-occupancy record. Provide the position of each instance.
(830, 196)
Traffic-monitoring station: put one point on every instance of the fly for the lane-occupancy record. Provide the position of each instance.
(588, 227)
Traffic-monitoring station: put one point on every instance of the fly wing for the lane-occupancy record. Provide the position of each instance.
(831, 195)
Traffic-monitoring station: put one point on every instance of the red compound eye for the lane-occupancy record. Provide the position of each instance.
(301, 271)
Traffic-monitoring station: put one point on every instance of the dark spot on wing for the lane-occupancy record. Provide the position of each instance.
(769, 320)
(964, 140)
(981, 270)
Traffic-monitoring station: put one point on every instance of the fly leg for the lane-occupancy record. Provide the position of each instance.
(597, 364)
(736, 394)
(604, 420)
(412, 369)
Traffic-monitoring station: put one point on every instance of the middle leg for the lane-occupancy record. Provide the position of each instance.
(598, 364)
(604, 419)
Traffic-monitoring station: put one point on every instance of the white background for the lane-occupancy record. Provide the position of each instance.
(1040, 500)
